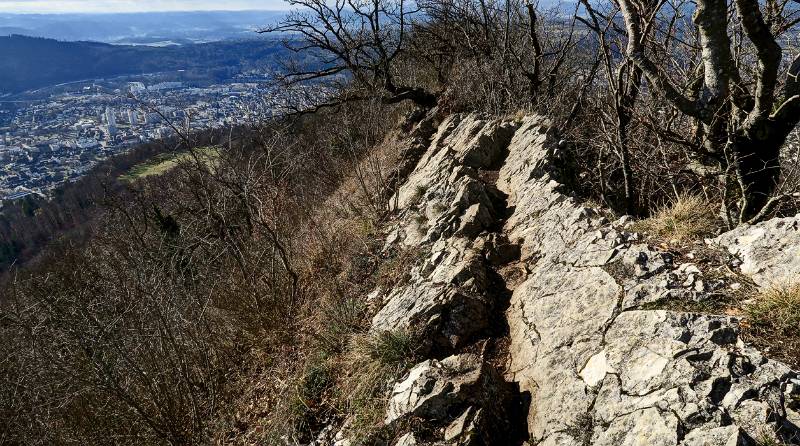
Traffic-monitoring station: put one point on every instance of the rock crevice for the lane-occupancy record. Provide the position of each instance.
(512, 264)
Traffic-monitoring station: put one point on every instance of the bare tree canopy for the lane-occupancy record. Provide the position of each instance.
(351, 38)
(745, 115)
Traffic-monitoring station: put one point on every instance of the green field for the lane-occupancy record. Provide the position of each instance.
(166, 162)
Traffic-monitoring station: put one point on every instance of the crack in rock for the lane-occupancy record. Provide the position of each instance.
(586, 366)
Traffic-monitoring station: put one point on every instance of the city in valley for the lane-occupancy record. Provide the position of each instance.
(47, 141)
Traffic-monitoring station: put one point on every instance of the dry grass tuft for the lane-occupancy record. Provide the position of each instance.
(776, 309)
(773, 322)
(768, 438)
(395, 270)
(687, 218)
(372, 363)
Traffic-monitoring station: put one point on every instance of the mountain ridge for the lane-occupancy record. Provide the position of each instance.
(35, 62)
(116, 27)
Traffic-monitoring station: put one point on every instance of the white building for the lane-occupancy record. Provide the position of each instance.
(111, 120)
(165, 86)
(136, 87)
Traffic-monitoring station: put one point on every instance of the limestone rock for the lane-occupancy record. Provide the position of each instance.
(444, 208)
(598, 369)
(769, 251)
(447, 301)
(461, 393)
(645, 261)
(591, 364)
(646, 427)
(464, 429)
(407, 440)
(718, 436)
(557, 318)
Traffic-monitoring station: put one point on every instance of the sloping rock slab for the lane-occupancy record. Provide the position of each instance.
(601, 374)
(769, 251)
(443, 194)
(447, 301)
(666, 375)
(598, 370)
(462, 394)
(445, 211)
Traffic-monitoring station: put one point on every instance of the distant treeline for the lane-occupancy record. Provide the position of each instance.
(29, 63)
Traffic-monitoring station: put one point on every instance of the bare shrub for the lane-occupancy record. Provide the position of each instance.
(356, 38)
(200, 284)
(122, 353)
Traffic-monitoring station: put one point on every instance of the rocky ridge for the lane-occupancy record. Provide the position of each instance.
(508, 257)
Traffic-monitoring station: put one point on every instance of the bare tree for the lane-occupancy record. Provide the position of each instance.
(741, 126)
(507, 51)
(358, 40)
(624, 81)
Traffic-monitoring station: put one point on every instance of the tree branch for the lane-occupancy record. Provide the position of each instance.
(656, 77)
(768, 53)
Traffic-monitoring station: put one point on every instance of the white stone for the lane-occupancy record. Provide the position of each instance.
(596, 369)
(406, 440)
(770, 251)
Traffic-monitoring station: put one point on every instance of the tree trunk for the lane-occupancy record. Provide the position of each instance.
(628, 93)
(533, 76)
(756, 149)
(711, 18)
(627, 172)
(418, 96)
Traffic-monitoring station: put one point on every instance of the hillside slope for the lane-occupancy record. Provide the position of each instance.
(29, 63)
(138, 27)
(433, 283)
(541, 322)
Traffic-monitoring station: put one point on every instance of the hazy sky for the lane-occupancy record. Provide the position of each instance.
(53, 6)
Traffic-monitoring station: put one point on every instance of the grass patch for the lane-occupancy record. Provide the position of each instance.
(419, 193)
(768, 438)
(345, 381)
(778, 309)
(438, 208)
(689, 217)
(307, 404)
(422, 221)
(773, 321)
(396, 270)
(341, 320)
(390, 348)
(372, 364)
(316, 379)
(163, 163)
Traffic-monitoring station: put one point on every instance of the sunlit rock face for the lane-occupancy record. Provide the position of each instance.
(506, 252)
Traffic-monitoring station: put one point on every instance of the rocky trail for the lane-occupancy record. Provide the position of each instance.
(531, 310)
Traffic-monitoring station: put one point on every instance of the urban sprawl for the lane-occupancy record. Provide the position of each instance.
(46, 143)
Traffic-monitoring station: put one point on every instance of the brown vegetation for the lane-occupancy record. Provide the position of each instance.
(674, 115)
(773, 319)
(226, 301)
(687, 218)
(195, 283)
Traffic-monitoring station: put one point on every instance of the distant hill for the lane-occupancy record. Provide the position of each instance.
(29, 63)
(196, 26)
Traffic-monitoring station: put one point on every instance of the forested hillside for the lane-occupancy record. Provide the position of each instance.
(29, 226)
(29, 63)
